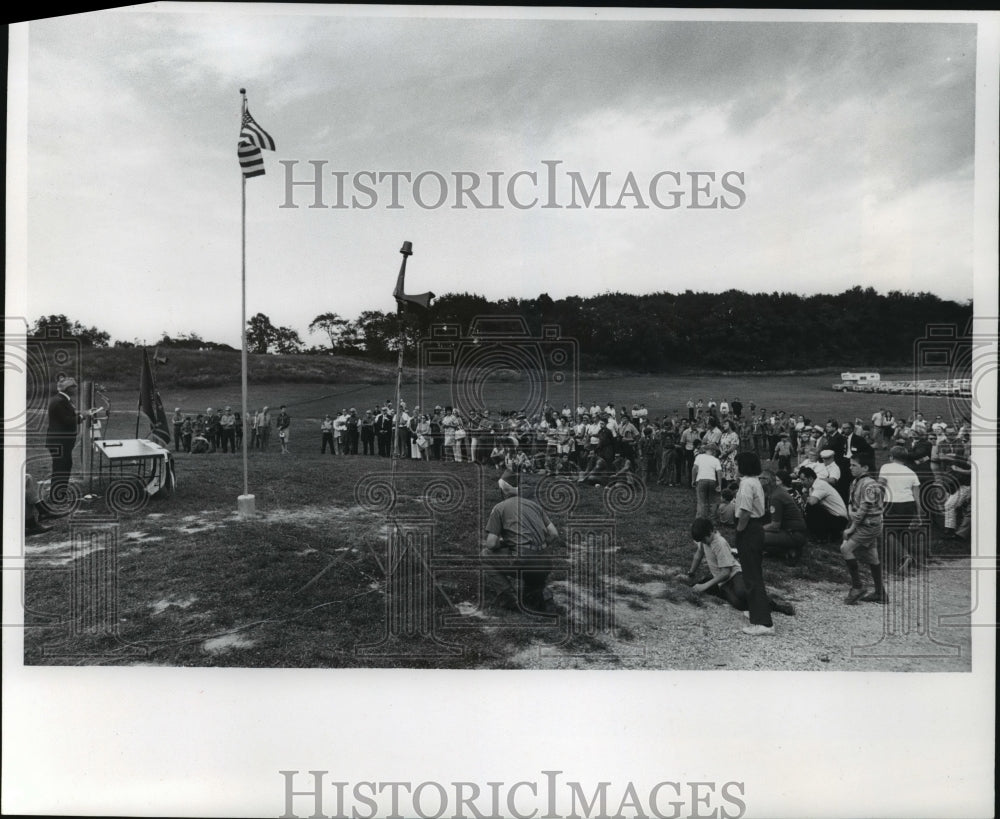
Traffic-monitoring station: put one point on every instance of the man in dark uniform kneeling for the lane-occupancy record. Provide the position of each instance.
(517, 532)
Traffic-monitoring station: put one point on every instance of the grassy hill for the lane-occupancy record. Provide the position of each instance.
(117, 368)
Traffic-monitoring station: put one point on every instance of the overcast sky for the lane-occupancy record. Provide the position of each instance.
(853, 143)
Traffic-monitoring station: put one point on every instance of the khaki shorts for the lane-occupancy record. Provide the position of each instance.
(862, 545)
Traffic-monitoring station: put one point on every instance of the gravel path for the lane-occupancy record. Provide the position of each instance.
(925, 627)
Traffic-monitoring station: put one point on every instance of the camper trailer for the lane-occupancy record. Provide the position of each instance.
(858, 382)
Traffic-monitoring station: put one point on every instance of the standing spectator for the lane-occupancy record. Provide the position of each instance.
(415, 451)
(690, 409)
(706, 477)
(437, 435)
(239, 430)
(758, 430)
(855, 443)
(187, 430)
(628, 437)
(326, 434)
(737, 406)
(602, 456)
(750, 508)
(383, 433)
(352, 431)
(461, 433)
(264, 428)
(227, 430)
(670, 464)
(888, 427)
(448, 425)
(878, 422)
(368, 433)
(902, 510)
(724, 409)
(689, 441)
(729, 445)
(339, 431)
(862, 535)
(402, 432)
(254, 440)
(423, 437)
(783, 452)
(475, 431)
(178, 421)
(213, 429)
(284, 425)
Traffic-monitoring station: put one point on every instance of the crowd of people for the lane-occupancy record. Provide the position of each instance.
(778, 480)
(222, 430)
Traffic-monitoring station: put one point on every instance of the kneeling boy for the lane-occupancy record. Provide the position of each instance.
(727, 574)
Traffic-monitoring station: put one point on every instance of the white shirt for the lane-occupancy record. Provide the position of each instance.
(708, 466)
(828, 498)
(900, 482)
(832, 472)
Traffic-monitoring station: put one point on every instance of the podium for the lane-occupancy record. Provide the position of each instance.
(134, 458)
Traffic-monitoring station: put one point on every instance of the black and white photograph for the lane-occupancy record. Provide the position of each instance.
(449, 411)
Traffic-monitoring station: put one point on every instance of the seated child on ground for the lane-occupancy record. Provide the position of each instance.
(726, 578)
(726, 510)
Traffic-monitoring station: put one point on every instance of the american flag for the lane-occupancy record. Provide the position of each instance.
(252, 139)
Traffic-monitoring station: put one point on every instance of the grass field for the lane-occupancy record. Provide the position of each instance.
(810, 395)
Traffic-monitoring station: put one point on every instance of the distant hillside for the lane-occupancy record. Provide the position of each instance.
(116, 367)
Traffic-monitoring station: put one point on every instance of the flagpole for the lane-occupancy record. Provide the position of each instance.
(245, 503)
(138, 406)
(397, 444)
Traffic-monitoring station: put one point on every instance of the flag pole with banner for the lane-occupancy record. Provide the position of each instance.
(151, 405)
(252, 140)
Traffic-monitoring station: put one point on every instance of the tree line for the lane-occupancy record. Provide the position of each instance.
(658, 332)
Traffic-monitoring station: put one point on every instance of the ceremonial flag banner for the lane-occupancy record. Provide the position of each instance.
(252, 139)
(151, 405)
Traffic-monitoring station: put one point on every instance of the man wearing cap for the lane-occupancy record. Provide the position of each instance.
(60, 437)
(517, 532)
(831, 467)
(178, 421)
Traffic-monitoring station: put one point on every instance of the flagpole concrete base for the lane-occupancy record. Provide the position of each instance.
(245, 506)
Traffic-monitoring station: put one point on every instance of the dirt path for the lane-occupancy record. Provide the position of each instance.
(922, 629)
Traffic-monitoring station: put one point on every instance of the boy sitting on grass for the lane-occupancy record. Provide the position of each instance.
(726, 579)
(864, 531)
